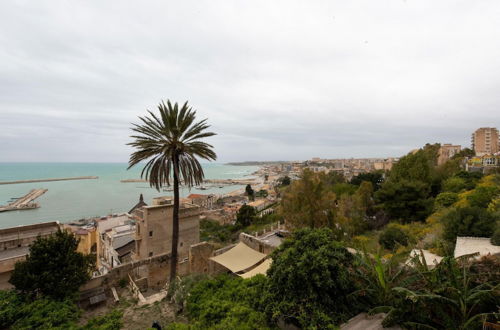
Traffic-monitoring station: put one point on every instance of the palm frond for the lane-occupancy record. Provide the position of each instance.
(171, 136)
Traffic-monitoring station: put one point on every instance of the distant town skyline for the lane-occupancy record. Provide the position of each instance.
(281, 80)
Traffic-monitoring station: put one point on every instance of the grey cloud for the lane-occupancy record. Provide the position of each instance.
(277, 80)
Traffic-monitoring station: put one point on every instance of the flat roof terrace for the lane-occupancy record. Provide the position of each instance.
(22, 232)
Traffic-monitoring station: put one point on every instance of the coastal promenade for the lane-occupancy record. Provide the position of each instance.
(49, 180)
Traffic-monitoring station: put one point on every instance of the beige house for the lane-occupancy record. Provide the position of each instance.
(153, 235)
(15, 243)
(446, 151)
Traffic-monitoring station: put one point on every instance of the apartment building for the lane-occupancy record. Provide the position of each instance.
(485, 141)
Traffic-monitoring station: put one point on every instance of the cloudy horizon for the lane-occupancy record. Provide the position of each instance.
(280, 80)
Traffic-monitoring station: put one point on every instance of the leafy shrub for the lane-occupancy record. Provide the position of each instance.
(446, 298)
(211, 230)
(181, 288)
(468, 221)
(495, 239)
(483, 195)
(227, 302)
(110, 321)
(446, 199)
(44, 313)
(310, 280)
(392, 236)
(455, 185)
(122, 283)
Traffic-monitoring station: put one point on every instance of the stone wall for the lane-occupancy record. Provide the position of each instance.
(14, 237)
(256, 243)
(156, 269)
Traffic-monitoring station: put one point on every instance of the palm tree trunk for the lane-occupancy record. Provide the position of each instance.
(175, 222)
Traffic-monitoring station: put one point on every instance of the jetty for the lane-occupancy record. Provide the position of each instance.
(26, 202)
(212, 181)
(49, 180)
(231, 181)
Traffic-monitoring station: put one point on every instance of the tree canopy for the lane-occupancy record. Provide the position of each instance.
(308, 202)
(53, 267)
(310, 280)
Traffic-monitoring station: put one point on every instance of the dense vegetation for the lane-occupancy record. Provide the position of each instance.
(315, 283)
(53, 267)
(46, 285)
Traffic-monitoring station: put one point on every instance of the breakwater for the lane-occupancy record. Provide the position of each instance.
(49, 180)
(26, 202)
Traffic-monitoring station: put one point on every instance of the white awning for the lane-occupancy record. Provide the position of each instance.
(239, 258)
(260, 269)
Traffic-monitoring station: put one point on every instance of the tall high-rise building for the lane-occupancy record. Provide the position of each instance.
(485, 141)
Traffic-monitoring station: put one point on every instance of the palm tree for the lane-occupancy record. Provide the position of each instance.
(170, 144)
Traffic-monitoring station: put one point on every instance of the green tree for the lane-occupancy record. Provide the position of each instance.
(262, 193)
(310, 280)
(246, 215)
(170, 143)
(343, 189)
(455, 184)
(483, 195)
(468, 221)
(331, 178)
(53, 267)
(495, 238)
(249, 191)
(465, 152)
(284, 181)
(308, 202)
(376, 178)
(416, 166)
(446, 199)
(392, 236)
(405, 200)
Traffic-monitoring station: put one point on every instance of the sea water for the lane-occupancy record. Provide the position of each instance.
(76, 199)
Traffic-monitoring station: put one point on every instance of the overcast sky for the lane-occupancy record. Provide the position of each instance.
(277, 80)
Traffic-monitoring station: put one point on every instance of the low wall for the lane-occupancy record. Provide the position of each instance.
(199, 258)
(156, 269)
(256, 243)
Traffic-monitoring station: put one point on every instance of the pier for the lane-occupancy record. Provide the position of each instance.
(26, 202)
(49, 180)
(212, 181)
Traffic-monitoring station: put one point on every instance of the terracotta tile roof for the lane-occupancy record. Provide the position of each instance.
(193, 196)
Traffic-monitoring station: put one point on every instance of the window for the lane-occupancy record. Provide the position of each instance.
(151, 233)
(150, 254)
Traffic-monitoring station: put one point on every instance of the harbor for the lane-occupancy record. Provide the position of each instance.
(26, 202)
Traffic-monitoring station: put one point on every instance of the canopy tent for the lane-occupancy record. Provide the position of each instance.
(260, 269)
(239, 258)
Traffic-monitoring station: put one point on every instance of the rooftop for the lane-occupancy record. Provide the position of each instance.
(12, 253)
(469, 245)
